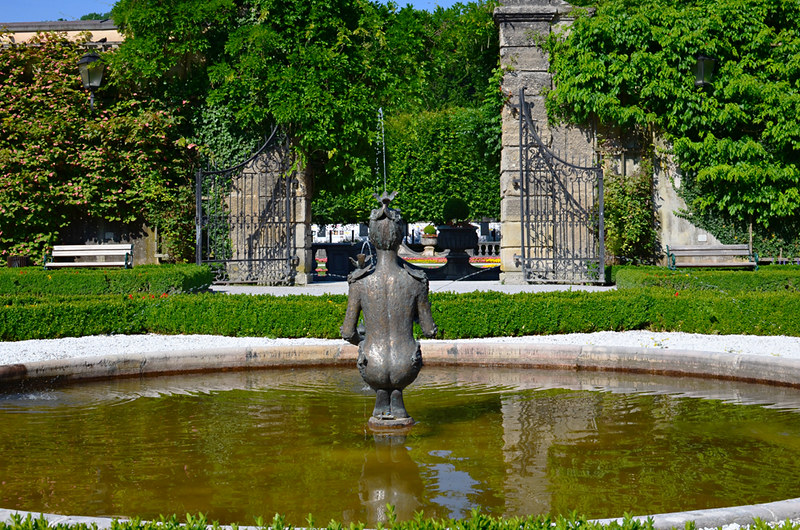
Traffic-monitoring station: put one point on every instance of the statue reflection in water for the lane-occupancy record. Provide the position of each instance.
(390, 476)
(391, 296)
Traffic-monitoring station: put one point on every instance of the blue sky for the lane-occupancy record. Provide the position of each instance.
(44, 10)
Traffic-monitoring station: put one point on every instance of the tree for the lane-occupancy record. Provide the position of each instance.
(737, 142)
(319, 69)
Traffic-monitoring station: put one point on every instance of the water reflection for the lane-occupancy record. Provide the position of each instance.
(512, 442)
(390, 476)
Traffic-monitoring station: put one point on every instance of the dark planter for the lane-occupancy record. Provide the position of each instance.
(457, 238)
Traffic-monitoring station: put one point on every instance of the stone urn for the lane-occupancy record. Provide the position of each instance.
(457, 238)
(428, 239)
(429, 242)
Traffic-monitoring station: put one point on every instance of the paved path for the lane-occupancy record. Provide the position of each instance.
(323, 288)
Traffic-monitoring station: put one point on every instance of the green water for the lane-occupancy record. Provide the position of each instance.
(512, 442)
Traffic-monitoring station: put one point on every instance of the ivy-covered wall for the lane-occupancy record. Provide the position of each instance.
(62, 164)
(735, 143)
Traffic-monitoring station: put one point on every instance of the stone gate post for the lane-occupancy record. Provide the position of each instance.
(522, 25)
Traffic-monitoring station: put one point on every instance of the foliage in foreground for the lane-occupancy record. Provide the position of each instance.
(459, 316)
(477, 521)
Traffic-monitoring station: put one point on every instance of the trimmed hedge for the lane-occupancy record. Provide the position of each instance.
(151, 279)
(785, 278)
(657, 309)
(458, 316)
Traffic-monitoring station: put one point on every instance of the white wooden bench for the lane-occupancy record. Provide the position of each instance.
(112, 255)
(725, 256)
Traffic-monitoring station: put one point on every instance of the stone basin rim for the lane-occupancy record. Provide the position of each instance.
(718, 365)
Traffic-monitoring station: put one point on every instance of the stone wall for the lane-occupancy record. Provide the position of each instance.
(522, 24)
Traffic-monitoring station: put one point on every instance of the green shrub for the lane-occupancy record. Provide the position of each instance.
(631, 235)
(459, 316)
(784, 278)
(151, 279)
(476, 521)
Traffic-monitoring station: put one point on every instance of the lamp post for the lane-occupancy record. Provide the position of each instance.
(91, 68)
(703, 70)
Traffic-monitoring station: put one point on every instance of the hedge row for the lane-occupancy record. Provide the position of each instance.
(458, 316)
(151, 279)
(768, 278)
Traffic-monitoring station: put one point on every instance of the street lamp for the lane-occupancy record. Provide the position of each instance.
(91, 68)
(703, 70)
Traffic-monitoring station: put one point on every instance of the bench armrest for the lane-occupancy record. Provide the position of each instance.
(670, 260)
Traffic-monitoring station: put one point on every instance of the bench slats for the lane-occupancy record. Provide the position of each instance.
(703, 252)
(114, 250)
(76, 253)
(110, 246)
(727, 264)
(710, 247)
(57, 264)
(706, 251)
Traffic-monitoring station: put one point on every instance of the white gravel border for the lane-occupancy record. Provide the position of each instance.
(111, 345)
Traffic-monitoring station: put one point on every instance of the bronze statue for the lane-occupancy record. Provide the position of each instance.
(391, 297)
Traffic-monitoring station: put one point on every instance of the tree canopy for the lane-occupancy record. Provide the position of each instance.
(737, 142)
(320, 69)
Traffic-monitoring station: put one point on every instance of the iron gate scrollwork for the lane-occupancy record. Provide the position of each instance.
(244, 217)
(561, 212)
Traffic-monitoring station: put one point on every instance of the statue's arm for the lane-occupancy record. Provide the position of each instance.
(349, 329)
(426, 322)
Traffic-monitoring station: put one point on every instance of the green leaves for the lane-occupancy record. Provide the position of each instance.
(62, 164)
(738, 142)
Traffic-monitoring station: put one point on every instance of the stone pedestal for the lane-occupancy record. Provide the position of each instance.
(301, 221)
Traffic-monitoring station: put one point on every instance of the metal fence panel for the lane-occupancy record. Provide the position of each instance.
(244, 217)
(561, 212)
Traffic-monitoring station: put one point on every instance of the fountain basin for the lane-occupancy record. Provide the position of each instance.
(576, 359)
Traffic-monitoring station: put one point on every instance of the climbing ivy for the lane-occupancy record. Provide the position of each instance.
(630, 235)
(737, 142)
(61, 164)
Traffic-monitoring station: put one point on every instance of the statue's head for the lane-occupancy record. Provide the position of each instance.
(386, 225)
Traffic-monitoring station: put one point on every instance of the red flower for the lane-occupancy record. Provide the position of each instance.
(676, 293)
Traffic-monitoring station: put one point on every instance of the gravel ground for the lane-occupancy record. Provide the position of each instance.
(41, 350)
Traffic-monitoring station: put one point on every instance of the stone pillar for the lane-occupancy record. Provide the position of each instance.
(301, 222)
(522, 23)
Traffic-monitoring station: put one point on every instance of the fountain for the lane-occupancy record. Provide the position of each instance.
(512, 441)
(545, 429)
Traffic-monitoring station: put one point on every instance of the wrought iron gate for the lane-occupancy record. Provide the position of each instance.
(244, 217)
(561, 212)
